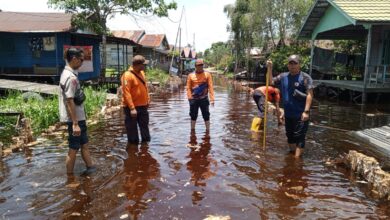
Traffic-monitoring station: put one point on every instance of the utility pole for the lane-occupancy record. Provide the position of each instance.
(193, 43)
(180, 60)
(174, 47)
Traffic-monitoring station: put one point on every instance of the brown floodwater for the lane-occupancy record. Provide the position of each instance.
(184, 175)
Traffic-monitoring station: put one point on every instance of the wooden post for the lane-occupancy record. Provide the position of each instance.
(123, 57)
(127, 58)
(366, 70)
(57, 66)
(118, 58)
(266, 104)
(311, 56)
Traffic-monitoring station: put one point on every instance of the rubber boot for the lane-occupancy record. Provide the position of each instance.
(256, 124)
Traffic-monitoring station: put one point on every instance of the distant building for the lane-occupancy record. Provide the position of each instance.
(154, 47)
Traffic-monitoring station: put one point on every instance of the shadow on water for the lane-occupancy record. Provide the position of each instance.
(188, 175)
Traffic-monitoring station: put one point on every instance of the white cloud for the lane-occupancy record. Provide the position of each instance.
(205, 18)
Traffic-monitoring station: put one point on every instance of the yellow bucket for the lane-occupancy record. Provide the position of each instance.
(256, 124)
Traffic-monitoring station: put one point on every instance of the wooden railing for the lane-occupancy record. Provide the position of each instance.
(379, 74)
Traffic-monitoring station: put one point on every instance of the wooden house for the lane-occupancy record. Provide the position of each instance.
(355, 20)
(154, 47)
(32, 46)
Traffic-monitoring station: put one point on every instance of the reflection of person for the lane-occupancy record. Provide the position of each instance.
(72, 114)
(199, 85)
(297, 95)
(135, 99)
(82, 195)
(200, 162)
(139, 168)
(292, 185)
(259, 98)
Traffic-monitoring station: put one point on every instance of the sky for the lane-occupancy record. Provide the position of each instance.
(203, 20)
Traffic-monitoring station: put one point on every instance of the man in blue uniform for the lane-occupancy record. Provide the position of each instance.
(297, 95)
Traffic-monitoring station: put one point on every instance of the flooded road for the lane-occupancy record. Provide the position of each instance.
(184, 175)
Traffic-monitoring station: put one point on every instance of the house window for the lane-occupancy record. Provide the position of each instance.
(386, 49)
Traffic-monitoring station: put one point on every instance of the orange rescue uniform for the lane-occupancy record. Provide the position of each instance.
(195, 79)
(134, 91)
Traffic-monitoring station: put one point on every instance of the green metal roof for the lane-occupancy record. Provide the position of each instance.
(365, 10)
(344, 19)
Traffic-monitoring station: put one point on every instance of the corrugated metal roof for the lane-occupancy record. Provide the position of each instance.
(358, 12)
(134, 35)
(152, 40)
(34, 22)
(366, 10)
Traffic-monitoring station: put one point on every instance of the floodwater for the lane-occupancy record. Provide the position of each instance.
(184, 175)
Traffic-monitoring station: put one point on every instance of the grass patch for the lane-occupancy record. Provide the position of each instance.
(44, 112)
(229, 75)
(157, 75)
(7, 128)
(96, 98)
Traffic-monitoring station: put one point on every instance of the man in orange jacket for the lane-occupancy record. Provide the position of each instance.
(258, 95)
(199, 85)
(135, 99)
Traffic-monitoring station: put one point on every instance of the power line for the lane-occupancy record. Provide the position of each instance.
(172, 20)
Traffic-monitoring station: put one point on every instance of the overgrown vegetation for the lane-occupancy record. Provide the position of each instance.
(44, 112)
(269, 25)
(279, 57)
(220, 55)
(157, 75)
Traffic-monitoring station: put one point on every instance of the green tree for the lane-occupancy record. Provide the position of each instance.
(279, 57)
(219, 55)
(257, 23)
(93, 14)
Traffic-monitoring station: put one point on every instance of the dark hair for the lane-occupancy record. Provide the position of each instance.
(73, 52)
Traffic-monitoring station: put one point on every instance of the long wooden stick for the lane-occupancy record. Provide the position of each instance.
(266, 104)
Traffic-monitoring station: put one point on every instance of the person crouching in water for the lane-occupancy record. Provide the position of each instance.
(259, 98)
(199, 85)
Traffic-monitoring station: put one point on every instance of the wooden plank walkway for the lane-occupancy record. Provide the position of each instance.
(355, 85)
(36, 87)
(28, 86)
(379, 137)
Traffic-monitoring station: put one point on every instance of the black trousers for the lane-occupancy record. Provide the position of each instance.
(259, 99)
(142, 120)
(203, 104)
(296, 131)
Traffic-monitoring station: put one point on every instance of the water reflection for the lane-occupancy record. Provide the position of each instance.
(82, 195)
(200, 163)
(349, 117)
(292, 185)
(139, 168)
(167, 180)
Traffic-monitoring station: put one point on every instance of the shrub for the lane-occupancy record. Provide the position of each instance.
(157, 75)
(44, 113)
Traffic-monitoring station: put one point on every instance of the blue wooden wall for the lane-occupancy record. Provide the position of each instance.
(20, 55)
